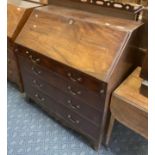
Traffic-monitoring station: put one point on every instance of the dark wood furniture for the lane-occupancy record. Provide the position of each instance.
(72, 60)
(17, 14)
(129, 107)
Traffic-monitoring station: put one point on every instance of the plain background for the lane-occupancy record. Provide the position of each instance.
(3, 77)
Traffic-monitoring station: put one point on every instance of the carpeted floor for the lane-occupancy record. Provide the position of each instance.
(32, 132)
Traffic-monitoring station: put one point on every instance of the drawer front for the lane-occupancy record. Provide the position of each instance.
(72, 75)
(72, 89)
(91, 114)
(63, 113)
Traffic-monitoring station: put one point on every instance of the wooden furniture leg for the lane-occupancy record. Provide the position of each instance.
(110, 128)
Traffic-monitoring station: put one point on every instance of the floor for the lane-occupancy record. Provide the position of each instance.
(32, 132)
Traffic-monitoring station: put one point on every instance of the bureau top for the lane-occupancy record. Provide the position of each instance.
(116, 23)
(17, 13)
(85, 41)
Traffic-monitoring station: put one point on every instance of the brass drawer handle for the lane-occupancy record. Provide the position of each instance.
(37, 84)
(37, 60)
(75, 107)
(36, 72)
(73, 79)
(73, 92)
(72, 120)
(71, 21)
(39, 98)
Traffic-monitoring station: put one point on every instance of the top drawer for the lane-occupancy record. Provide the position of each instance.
(67, 72)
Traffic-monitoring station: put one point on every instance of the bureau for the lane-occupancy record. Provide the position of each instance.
(17, 13)
(70, 62)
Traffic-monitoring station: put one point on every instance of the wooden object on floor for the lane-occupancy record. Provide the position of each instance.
(71, 68)
(129, 107)
(104, 7)
(17, 13)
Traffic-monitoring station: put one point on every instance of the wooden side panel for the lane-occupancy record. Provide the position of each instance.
(122, 66)
(124, 63)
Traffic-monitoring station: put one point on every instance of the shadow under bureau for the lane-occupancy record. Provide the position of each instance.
(71, 61)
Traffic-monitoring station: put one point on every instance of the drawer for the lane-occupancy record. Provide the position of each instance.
(73, 103)
(72, 75)
(72, 89)
(63, 113)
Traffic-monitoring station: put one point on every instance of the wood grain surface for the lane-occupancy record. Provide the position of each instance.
(77, 39)
(88, 52)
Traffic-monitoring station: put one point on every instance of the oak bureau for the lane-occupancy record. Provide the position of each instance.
(18, 12)
(71, 61)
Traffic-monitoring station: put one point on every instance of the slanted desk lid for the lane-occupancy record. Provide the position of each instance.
(17, 13)
(82, 40)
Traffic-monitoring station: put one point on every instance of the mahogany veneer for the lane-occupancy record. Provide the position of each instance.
(72, 60)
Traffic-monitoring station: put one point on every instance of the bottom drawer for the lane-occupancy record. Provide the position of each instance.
(63, 113)
(91, 114)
